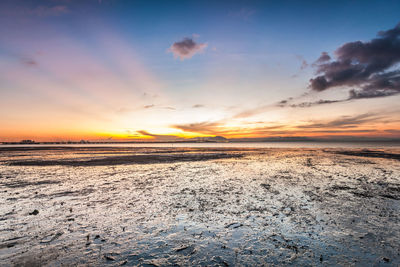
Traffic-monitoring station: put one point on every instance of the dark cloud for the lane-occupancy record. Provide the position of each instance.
(284, 102)
(289, 103)
(386, 84)
(316, 103)
(186, 48)
(323, 58)
(149, 106)
(306, 104)
(371, 68)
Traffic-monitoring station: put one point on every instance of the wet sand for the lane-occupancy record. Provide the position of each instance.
(199, 206)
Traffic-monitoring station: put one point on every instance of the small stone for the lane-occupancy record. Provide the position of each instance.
(35, 212)
(109, 258)
(266, 186)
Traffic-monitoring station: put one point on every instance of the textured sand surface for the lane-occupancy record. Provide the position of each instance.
(198, 206)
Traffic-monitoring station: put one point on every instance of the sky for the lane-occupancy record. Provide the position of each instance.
(123, 70)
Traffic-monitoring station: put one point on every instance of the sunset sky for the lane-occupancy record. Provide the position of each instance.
(167, 70)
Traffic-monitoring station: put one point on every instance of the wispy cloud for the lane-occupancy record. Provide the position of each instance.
(157, 106)
(198, 106)
(303, 62)
(356, 124)
(28, 62)
(254, 111)
(44, 11)
(149, 106)
(157, 137)
(343, 122)
(186, 48)
(169, 108)
(201, 127)
(32, 10)
(313, 103)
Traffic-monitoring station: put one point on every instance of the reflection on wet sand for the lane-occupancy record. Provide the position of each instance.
(199, 206)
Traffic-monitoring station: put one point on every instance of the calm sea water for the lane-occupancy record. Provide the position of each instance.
(242, 144)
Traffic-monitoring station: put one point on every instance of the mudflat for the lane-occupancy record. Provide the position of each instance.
(199, 206)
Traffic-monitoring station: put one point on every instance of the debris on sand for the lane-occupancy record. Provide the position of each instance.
(370, 154)
(309, 162)
(88, 240)
(9, 243)
(340, 187)
(234, 225)
(109, 257)
(182, 248)
(219, 261)
(35, 212)
(50, 238)
(269, 188)
(266, 186)
(187, 250)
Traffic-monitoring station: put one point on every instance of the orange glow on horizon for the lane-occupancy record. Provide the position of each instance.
(228, 132)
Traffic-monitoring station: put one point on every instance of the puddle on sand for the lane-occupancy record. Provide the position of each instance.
(267, 207)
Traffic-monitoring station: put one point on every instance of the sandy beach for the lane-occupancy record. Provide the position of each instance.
(199, 206)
